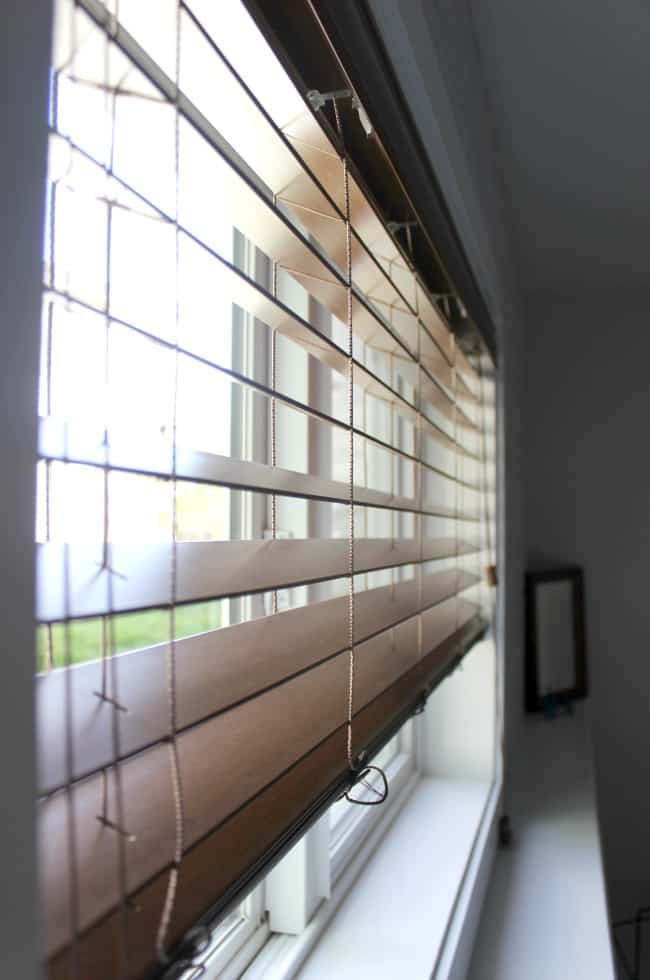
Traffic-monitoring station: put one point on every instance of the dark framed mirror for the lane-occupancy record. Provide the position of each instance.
(556, 653)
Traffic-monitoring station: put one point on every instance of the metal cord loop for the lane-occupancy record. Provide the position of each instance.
(361, 778)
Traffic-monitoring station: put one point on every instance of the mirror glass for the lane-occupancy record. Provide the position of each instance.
(554, 614)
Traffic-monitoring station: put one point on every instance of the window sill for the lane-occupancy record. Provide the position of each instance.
(546, 913)
(443, 825)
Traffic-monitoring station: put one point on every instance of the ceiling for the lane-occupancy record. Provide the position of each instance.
(569, 86)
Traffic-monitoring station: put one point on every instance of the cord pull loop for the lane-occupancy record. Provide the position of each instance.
(378, 794)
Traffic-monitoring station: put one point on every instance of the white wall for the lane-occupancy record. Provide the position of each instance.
(587, 496)
(24, 56)
(459, 724)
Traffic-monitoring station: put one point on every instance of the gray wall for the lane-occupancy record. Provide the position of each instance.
(569, 83)
(576, 162)
(24, 56)
(587, 497)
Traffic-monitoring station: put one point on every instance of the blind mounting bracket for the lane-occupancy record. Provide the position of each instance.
(319, 99)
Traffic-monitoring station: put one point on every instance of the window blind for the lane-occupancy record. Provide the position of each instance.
(264, 488)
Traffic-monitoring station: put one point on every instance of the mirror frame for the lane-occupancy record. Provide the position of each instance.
(533, 700)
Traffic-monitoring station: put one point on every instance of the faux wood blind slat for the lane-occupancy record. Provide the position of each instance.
(214, 670)
(84, 445)
(72, 582)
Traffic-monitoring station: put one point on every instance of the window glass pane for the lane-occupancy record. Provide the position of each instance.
(82, 640)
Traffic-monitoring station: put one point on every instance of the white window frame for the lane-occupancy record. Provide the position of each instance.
(282, 957)
(237, 940)
(310, 874)
(283, 954)
(312, 881)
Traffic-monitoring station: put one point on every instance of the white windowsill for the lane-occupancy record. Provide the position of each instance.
(399, 912)
(546, 912)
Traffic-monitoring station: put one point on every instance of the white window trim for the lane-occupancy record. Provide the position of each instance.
(455, 952)
(300, 882)
(277, 951)
(234, 949)
(298, 887)
(244, 945)
(283, 955)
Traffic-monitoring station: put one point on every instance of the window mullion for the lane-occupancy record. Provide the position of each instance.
(297, 885)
